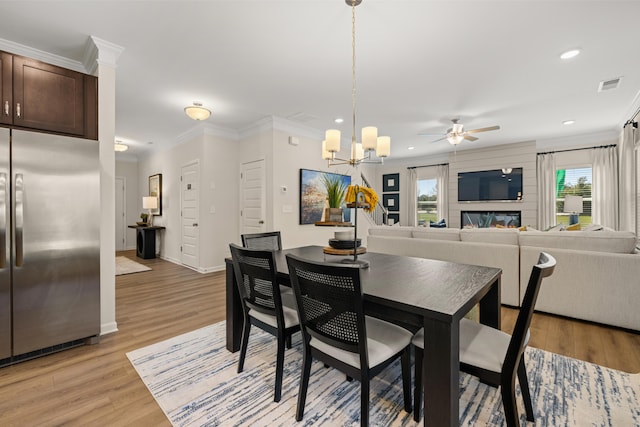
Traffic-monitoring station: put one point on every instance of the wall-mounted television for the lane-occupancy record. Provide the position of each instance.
(490, 185)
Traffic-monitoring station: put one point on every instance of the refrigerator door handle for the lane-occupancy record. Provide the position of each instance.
(19, 197)
(3, 220)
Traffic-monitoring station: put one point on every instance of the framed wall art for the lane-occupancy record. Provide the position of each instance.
(155, 189)
(391, 202)
(391, 182)
(320, 190)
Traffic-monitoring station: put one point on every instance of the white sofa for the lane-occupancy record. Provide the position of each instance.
(597, 277)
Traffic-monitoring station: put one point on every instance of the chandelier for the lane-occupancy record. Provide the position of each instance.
(361, 152)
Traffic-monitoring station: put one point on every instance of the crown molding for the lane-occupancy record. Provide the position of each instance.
(281, 124)
(40, 55)
(203, 129)
(100, 52)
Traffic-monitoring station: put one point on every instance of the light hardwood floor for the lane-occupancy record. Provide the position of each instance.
(97, 386)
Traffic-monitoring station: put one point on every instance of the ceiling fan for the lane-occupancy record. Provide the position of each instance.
(456, 134)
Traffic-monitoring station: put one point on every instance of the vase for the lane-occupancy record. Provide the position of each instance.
(333, 214)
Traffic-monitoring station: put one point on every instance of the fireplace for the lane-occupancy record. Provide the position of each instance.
(490, 219)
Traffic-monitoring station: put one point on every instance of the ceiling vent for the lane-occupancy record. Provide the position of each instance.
(609, 84)
(302, 117)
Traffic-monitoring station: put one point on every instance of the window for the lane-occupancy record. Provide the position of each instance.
(427, 200)
(575, 182)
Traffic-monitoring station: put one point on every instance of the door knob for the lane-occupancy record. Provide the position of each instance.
(195, 224)
(261, 222)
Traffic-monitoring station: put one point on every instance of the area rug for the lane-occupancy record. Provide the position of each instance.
(193, 378)
(126, 266)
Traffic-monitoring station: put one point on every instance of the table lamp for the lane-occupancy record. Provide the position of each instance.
(573, 206)
(150, 202)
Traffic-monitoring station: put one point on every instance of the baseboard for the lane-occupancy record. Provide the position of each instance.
(108, 328)
(202, 270)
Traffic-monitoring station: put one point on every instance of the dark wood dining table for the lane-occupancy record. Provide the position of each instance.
(415, 293)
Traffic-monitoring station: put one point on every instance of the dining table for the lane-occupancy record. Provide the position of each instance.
(414, 293)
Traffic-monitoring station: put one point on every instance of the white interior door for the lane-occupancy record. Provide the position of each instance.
(253, 197)
(121, 218)
(190, 208)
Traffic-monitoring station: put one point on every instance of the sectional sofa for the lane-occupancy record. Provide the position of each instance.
(597, 277)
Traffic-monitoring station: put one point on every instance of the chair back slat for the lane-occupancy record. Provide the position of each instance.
(255, 272)
(329, 298)
(271, 241)
(544, 268)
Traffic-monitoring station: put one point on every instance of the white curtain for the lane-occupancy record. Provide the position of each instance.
(443, 192)
(546, 176)
(627, 178)
(604, 205)
(412, 197)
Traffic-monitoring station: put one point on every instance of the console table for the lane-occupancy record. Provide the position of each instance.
(146, 240)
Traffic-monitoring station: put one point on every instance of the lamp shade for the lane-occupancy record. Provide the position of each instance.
(369, 138)
(149, 202)
(332, 136)
(572, 204)
(197, 111)
(326, 155)
(384, 146)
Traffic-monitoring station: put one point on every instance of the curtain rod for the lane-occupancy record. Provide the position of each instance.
(579, 149)
(426, 166)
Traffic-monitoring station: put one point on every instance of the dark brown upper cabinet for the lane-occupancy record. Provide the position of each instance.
(41, 96)
(6, 88)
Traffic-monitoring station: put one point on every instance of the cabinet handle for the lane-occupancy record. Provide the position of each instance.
(6, 108)
(18, 110)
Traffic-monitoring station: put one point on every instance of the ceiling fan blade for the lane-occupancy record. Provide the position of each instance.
(430, 134)
(470, 138)
(483, 129)
(440, 139)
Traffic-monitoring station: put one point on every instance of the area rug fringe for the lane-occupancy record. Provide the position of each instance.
(193, 378)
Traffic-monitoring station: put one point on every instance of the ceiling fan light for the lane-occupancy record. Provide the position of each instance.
(384, 146)
(197, 111)
(369, 138)
(455, 139)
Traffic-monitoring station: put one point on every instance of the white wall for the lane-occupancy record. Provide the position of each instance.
(128, 169)
(219, 180)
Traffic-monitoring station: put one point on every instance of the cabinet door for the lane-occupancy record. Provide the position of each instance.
(47, 97)
(6, 91)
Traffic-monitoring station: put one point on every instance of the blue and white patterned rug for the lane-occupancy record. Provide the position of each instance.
(193, 378)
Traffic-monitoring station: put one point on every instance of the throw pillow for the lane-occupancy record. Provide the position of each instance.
(593, 227)
(574, 227)
(558, 227)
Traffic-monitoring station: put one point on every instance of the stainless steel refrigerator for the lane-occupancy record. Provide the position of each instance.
(49, 243)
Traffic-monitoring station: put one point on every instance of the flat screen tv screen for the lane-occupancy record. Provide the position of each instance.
(491, 185)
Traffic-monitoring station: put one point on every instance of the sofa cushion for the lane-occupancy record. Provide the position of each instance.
(451, 234)
(505, 236)
(384, 230)
(622, 242)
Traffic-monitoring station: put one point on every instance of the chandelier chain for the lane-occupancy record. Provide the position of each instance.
(353, 70)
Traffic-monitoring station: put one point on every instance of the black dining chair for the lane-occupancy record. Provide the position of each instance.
(492, 355)
(270, 240)
(336, 331)
(262, 305)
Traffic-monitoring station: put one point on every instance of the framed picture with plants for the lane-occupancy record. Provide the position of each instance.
(322, 197)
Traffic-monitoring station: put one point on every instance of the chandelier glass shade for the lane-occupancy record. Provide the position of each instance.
(370, 142)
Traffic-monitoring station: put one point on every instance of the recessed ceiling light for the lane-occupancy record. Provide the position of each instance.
(411, 148)
(339, 120)
(570, 54)
(568, 122)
